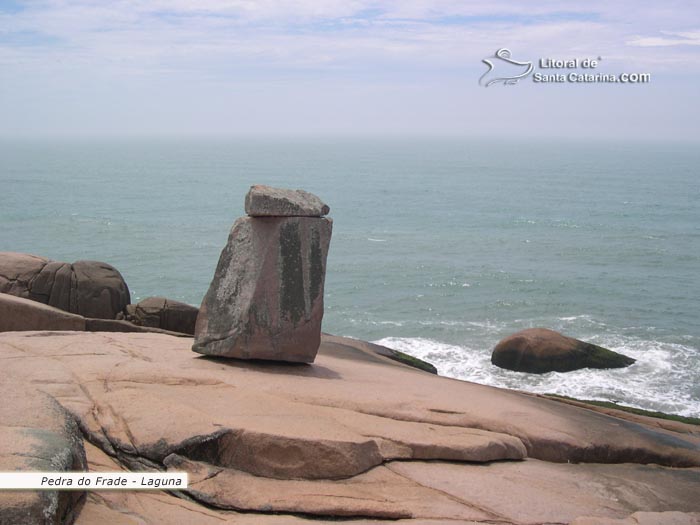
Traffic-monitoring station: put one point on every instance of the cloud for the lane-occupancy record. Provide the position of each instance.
(678, 38)
(118, 62)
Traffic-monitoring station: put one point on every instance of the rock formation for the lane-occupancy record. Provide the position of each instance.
(539, 350)
(18, 314)
(266, 298)
(265, 201)
(21, 315)
(160, 312)
(37, 434)
(87, 288)
(357, 437)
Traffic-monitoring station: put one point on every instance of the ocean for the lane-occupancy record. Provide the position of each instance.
(441, 247)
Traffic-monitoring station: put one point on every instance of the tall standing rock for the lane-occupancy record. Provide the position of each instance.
(266, 298)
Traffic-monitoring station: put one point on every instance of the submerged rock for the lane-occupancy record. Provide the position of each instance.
(539, 350)
(265, 201)
(266, 298)
(88, 288)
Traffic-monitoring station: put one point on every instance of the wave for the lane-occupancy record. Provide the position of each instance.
(664, 378)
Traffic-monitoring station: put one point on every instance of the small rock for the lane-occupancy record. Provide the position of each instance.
(539, 350)
(160, 312)
(265, 201)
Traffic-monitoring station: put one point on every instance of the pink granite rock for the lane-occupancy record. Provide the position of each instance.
(19, 314)
(88, 288)
(265, 201)
(266, 298)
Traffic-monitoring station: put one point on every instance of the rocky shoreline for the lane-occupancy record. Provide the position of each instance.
(278, 423)
(356, 435)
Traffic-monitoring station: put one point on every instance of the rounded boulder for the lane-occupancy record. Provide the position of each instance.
(88, 288)
(540, 350)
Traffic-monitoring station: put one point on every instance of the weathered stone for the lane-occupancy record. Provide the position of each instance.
(19, 314)
(150, 507)
(537, 492)
(644, 518)
(539, 350)
(37, 434)
(118, 325)
(100, 291)
(378, 493)
(266, 437)
(22, 315)
(265, 201)
(266, 298)
(88, 288)
(159, 312)
(339, 344)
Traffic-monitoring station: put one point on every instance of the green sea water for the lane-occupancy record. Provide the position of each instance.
(440, 247)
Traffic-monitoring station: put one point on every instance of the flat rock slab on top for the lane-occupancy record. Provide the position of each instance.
(266, 201)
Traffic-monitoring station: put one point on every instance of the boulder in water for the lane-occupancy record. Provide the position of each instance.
(539, 350)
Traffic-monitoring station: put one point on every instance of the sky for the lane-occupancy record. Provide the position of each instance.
(344, 67)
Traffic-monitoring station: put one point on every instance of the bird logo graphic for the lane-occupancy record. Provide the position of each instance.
(505, 65)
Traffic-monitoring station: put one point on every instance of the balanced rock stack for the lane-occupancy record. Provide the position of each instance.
(266, 298)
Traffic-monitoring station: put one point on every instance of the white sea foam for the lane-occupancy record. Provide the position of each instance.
(661, 379)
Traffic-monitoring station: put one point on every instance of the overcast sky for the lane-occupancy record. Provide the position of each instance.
(205, 67)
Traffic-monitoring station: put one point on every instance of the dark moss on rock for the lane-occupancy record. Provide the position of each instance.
(632, 410)
(401, 357)
(292, 297)
(409, 360)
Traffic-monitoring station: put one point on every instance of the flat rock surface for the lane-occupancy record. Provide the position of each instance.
(345, 438)
(645, 518)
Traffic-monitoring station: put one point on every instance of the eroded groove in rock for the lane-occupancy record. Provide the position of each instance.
(378, 493)
(640, 445)
(283, 457)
